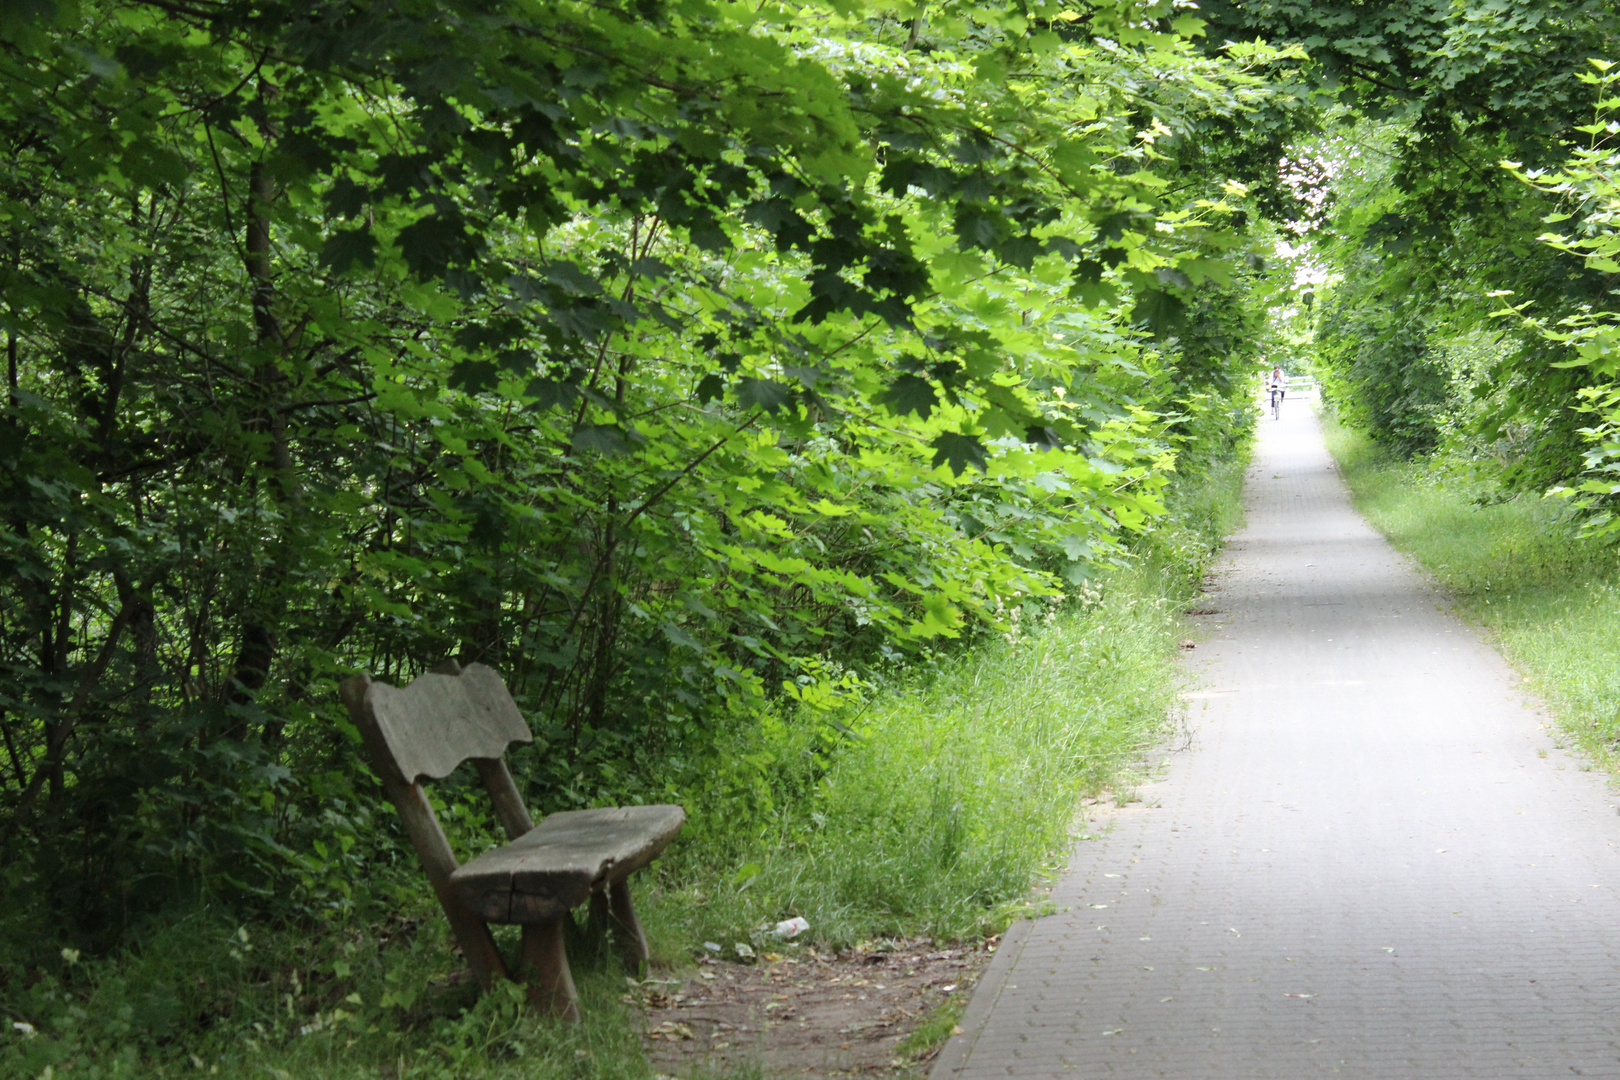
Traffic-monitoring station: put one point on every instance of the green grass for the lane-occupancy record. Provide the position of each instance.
(1515, 567)
(932, 1033)
(958, 791)
(198, 996)
(954, 795)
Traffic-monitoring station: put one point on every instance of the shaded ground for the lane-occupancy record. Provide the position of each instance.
(804, 1012)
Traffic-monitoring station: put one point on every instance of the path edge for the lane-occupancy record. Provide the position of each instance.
(986, 992)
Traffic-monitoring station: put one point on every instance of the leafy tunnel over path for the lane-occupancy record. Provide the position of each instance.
(688, 363)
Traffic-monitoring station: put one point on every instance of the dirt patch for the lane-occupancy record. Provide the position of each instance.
(804, 1012)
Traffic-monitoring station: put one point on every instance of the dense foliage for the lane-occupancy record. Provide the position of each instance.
(1587, 226)
(672, 357)
(962, 785)
(1424, 229)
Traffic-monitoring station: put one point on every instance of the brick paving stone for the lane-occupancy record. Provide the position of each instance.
(1367, 860)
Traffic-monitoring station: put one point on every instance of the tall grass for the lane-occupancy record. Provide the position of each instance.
(1517, 568)
(931, 809)
(945, 797)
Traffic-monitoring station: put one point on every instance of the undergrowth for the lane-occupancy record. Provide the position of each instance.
(196, 995)
(933, 807)
(930, 808)
(1515, 566)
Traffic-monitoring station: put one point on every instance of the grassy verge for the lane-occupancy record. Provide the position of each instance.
(198, 996)
(1517, 568)
(952, 793)
(931, 809)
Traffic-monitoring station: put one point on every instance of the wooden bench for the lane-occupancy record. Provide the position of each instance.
(452, 715)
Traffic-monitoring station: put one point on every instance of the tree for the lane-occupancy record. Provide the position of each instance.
(660, 354)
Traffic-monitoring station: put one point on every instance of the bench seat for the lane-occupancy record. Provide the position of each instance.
(555, 866)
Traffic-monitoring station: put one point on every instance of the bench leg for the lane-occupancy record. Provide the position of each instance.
(599, 919)
(627, 928)
(545, 967)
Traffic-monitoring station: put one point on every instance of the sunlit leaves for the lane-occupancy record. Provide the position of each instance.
(650, 353)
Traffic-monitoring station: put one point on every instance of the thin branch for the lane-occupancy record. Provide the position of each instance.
(224, 192)
(68, 722)
(596, 569)
(296, 405)
(684, 473)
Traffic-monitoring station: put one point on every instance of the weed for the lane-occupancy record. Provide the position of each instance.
(951, 794)
(926, 1039)
(198, 996)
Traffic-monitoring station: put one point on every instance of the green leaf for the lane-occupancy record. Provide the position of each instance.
(548, 393)
(434, 243)
(960, 452)
(678, 636)
(349, 247)
(1163, 314)
(475, 376)
(607, 439)
(910, 394)
(766, 394)
(710, 388)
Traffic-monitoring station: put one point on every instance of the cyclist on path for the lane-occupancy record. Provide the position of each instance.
(1277, 388)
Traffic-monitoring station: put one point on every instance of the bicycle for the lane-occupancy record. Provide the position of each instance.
(1276, 402)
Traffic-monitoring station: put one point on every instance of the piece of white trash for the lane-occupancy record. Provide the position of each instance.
(791, 928)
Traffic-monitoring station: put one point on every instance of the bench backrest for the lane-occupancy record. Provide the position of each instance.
(441, 720)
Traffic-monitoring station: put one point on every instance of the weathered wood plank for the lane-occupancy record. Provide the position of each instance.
(503, 792)
(439, 721)
(554, 867)
(427, 837)
(545, 968)
(627, 932)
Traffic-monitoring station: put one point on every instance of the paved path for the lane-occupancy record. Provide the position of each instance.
(1369, 861)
